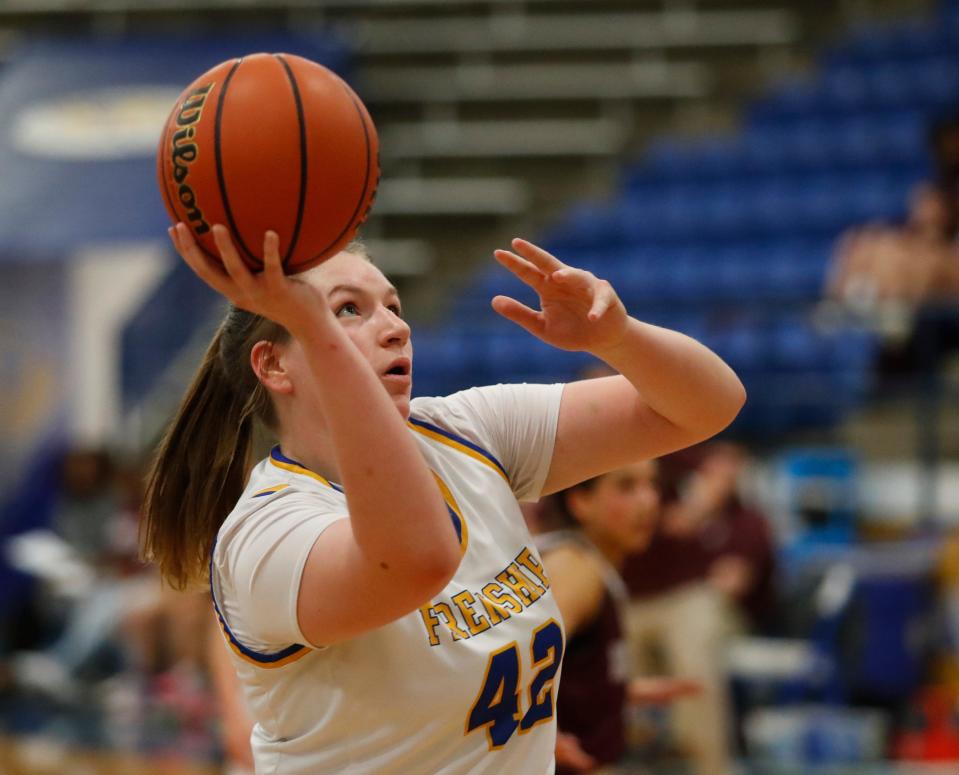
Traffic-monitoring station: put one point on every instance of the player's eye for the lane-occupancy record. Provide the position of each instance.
(395, 309)
(348, 309)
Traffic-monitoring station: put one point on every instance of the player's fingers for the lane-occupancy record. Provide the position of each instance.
(602, 300)
(235, 267)
(570, 752)
(272, 264)
(540, 258)
(522, 268)
(206, 268)
(519, 314)
(573, 279)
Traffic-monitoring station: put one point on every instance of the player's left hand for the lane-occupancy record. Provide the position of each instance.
(570, 753)
(578, 311)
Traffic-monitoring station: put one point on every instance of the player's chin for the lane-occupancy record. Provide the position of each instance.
(402, 402)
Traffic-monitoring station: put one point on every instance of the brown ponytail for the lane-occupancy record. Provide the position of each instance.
(203, 460)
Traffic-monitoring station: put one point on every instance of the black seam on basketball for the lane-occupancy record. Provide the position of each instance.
(254, 261)
(352, 223)
(304, 167)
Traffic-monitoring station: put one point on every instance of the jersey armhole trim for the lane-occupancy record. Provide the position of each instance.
(268, 661)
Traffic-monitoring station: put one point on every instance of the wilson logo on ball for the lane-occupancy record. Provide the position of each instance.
(184, 152)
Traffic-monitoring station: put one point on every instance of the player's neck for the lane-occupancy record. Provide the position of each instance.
(311, 455)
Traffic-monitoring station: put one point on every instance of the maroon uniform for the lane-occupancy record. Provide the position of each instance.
(592, 694)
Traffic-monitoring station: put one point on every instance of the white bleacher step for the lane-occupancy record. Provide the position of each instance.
(635, 31)
(481, 197)
(493, 82)
(498, 139)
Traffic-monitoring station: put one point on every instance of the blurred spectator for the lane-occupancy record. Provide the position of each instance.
(88, 503)
(124, 667)
(88, 564)
(887, 273)
(735, 538)
(705, 575)
(590, 529)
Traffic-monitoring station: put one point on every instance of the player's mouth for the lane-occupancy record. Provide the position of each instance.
(399, 370)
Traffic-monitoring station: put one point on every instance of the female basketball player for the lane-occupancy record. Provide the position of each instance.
(373, 575)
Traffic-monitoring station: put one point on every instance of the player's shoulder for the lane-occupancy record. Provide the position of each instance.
(473, 405)
(458, 420)
(277, 491)
(278, 475)
(443, 410)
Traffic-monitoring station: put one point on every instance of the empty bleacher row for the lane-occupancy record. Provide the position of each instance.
(701, 231)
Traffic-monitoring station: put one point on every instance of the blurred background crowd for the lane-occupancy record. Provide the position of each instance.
(778, 180)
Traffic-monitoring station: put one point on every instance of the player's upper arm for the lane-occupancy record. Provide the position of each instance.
(343, 593)
(297, 575)
(603, 425)
(576, 584)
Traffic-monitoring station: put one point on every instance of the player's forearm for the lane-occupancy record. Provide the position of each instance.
(679, 378)
(396, 509)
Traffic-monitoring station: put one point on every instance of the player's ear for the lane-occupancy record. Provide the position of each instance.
(268, 367)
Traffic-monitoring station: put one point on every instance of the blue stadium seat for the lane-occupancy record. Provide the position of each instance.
(743, 346)
(443, 358)
(844, 89)
(772, 207)
(937, 80)
(669, 159)
(874, 138)
(733, 276)
(767, 147)
(689, 274)
(798, 97)
(720, 157)
(725, 211)
(585, 225)
(797, 348)
(873, 43)
(793, 270)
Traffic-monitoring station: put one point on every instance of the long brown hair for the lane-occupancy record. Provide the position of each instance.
(203, 459)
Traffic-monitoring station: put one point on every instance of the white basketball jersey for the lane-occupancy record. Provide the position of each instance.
(466, 684)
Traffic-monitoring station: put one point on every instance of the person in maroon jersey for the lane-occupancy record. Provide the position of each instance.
(592, 527)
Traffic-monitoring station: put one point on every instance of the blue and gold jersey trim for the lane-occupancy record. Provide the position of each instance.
(459, 523)
(269, 490)
(268, 661)
(280, 460)
(458, 443)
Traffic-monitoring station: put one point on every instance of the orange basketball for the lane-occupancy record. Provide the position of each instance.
(270, 141)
